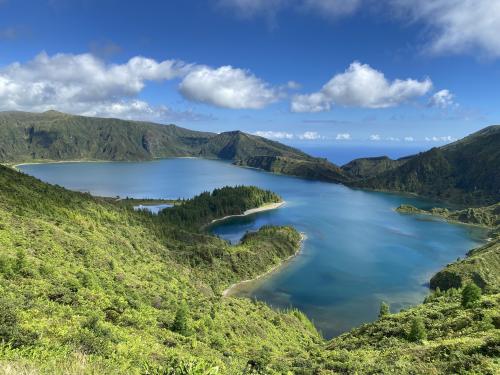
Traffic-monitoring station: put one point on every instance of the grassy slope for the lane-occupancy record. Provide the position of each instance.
(94, 287)
(459, 341)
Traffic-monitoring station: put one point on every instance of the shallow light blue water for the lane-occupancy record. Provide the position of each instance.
(358, 252)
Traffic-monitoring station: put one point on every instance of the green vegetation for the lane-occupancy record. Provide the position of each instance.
(206, 207)
(54, 136)
(418, 333)
(384, 310)
(438, 337)
(471, 293)
(311, 168)
(481, 266)
(370, 167)
(464, 172)
(488, 216)
(90, 286)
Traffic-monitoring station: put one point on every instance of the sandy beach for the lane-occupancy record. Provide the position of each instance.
(266, 207)
(232, 288)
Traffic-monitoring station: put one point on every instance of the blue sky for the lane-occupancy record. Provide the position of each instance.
(300, 71)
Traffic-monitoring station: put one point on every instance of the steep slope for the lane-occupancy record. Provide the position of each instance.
(481, 266)
(87, 286)
(465, 172)
(57, 136)
(311, 168)
(369, 167)
(237, 145)
(439, 336)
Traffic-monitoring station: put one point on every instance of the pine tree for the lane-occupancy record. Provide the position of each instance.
(384, 310)
(417, 331)
(180, 324)
(470, 294)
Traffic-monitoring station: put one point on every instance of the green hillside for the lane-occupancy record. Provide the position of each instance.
(488, 216)
(369, 167)
(311, 168)
(91, 286)
(465, 172)
(57, 136)
(88, 286)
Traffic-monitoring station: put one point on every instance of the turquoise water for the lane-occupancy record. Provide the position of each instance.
(358, 252)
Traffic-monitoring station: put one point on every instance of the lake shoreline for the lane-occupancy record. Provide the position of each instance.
(233, 287)
(266, 207)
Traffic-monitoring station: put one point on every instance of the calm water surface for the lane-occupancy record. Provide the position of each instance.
(358, 252)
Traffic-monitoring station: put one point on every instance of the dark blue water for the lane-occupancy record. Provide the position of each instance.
(358, 252)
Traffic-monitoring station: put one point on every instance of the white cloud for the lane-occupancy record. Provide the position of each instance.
(447, 138)
(409, 139)
(442, 99)
(343, 137)
(375, 137)
(274, 135)
(458, 26)
(310, 136)
(361, 86)
(141, 110)
(82, 83)
(306, 136)
(392, 139)
(228, 87)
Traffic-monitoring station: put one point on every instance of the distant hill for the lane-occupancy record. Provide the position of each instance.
(311, 168)
(58, 136)
(370, 167)
(465, 172)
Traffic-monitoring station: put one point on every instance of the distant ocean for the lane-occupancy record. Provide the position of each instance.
(342, 154)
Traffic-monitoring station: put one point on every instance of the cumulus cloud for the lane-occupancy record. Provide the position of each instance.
(343, 137)
(274, 135)
(447, 138)
(408, 139)
(306, 136)
(81, 83)
(228, 87)
(141, 110)
(375, 137)
(442, 99)
(361, 86)
(457, 26)
(392, 139)
(310, 136)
